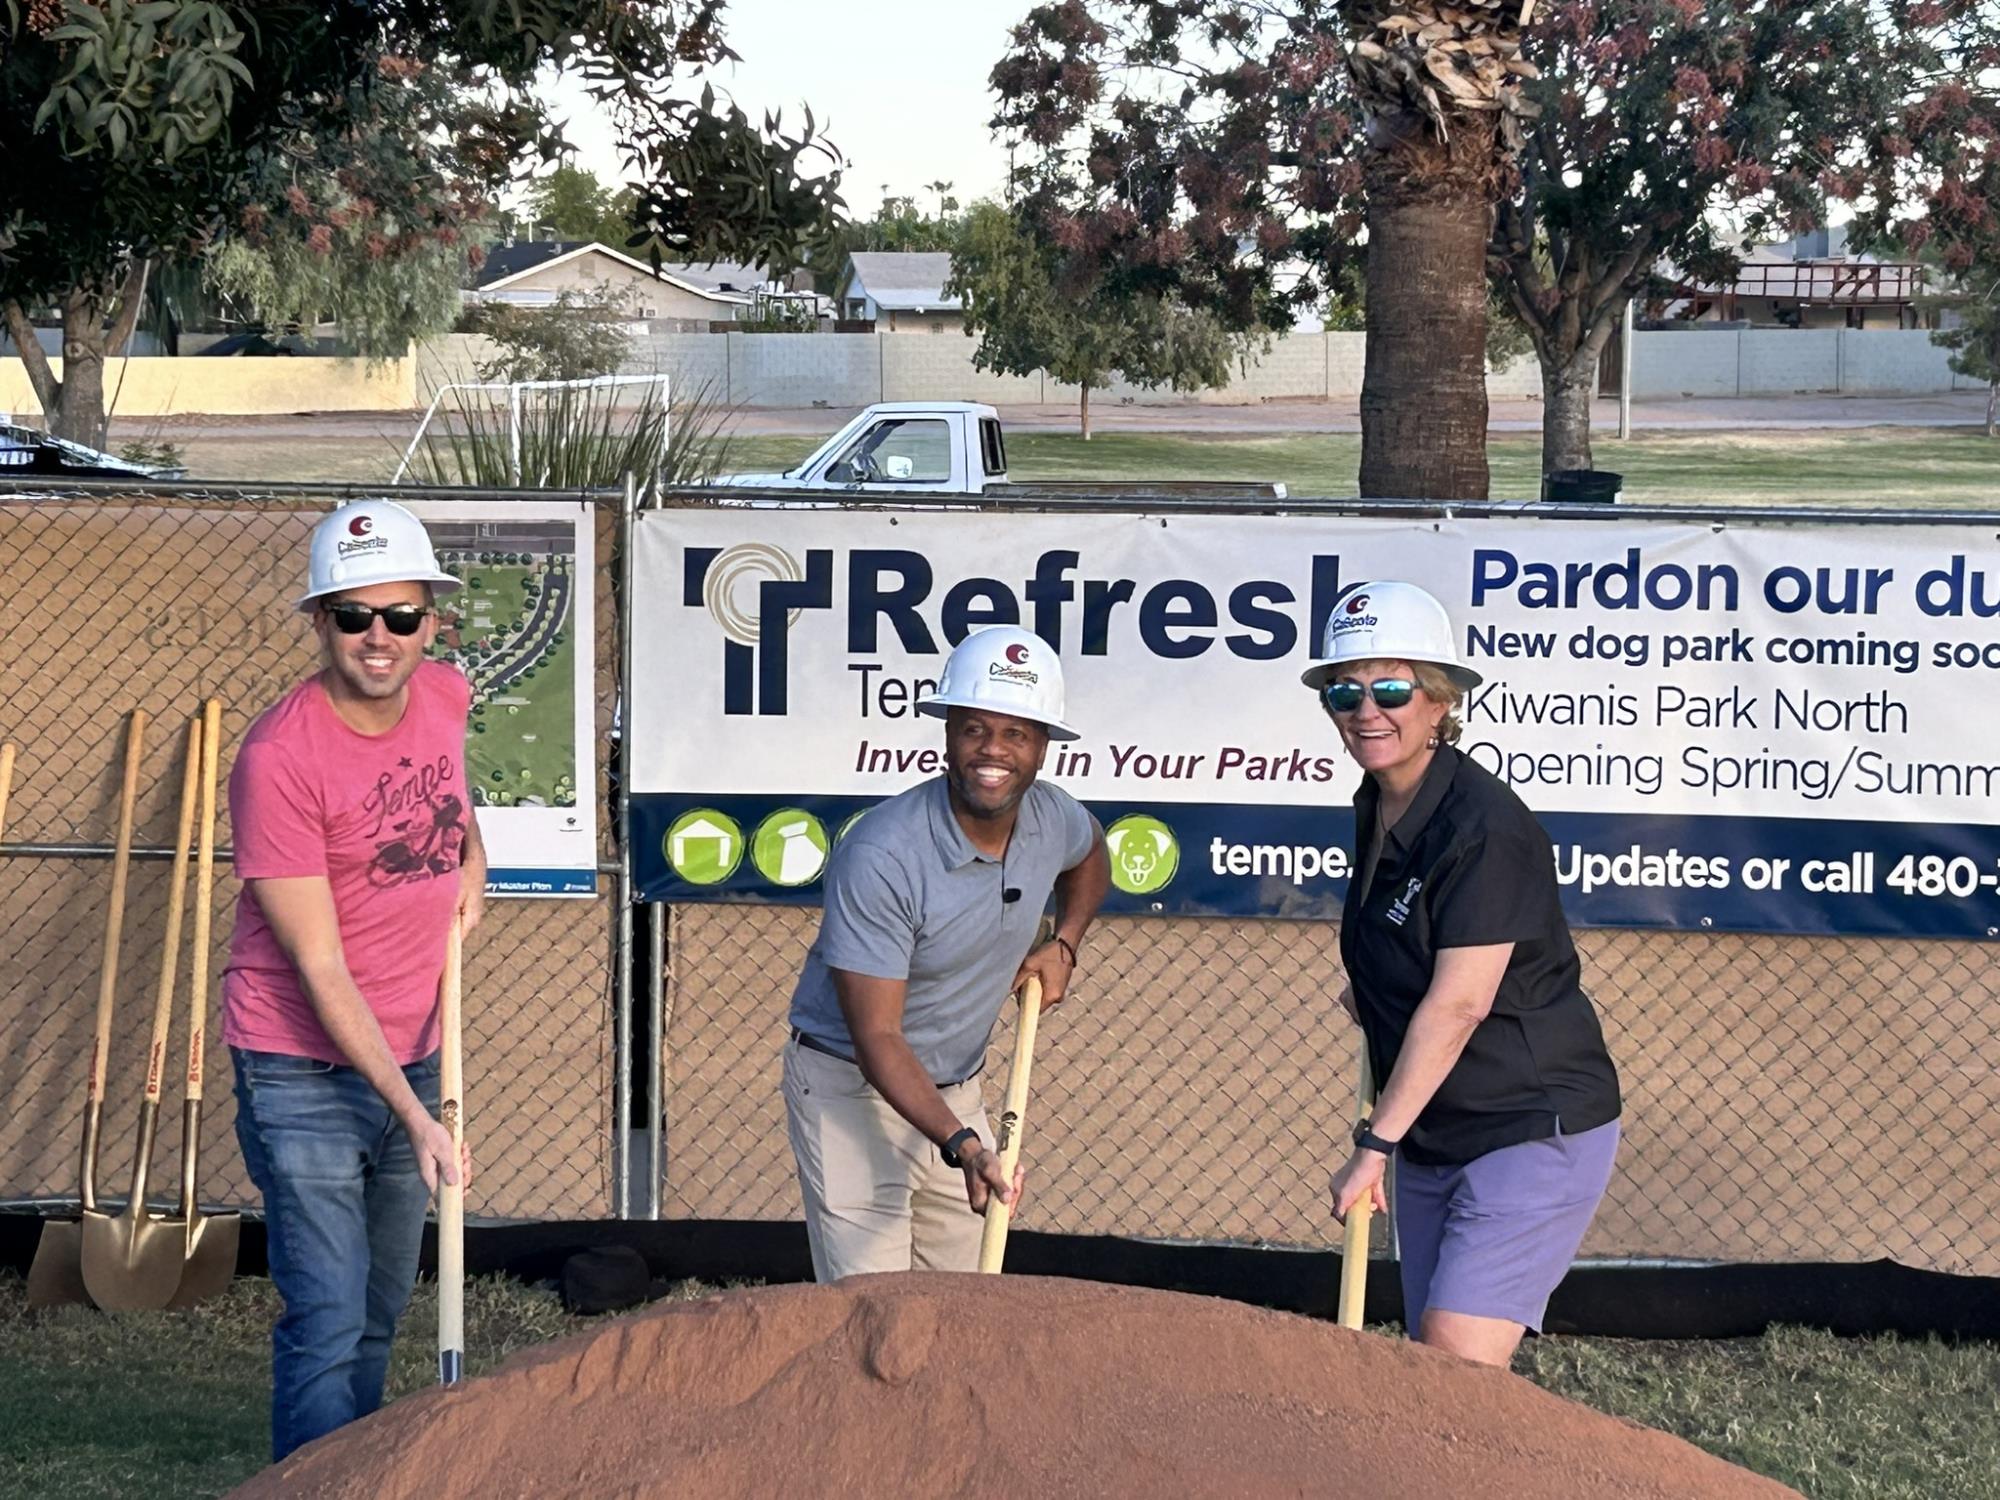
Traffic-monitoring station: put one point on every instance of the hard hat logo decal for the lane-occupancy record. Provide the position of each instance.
(1012, 674)
(1018, 655)
(1357, 604)
(361, 525)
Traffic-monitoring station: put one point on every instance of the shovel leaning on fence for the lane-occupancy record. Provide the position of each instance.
(133, 1261)
(56, 1276)
(208, 1242)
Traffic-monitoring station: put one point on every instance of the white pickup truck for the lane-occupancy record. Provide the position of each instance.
(948, 447)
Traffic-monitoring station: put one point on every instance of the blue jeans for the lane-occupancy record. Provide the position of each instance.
(344, 1214)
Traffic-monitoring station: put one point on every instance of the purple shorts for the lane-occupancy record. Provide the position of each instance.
(1491, 1237)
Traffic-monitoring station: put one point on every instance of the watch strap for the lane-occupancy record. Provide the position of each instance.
(950, 1149)
(1367, 1140)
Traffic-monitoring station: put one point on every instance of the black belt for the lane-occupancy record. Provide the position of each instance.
(814, 1044)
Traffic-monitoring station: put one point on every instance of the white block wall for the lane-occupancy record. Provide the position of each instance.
(1891, 361)
(848, 370)
(1786, 361)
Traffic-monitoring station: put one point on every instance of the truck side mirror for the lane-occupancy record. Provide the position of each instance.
(899, 466)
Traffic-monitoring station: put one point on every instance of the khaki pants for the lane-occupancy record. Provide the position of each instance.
(878, 1197)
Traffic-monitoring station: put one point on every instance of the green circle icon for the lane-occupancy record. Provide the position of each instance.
(789, 847)
(1144, 854)
(704, 846)
(848, 827)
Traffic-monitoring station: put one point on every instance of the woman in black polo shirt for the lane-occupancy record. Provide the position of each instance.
(1498, 1096)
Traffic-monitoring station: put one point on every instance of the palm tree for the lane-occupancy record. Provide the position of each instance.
(1440, 88)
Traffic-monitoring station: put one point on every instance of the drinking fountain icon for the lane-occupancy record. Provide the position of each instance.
(800, 856)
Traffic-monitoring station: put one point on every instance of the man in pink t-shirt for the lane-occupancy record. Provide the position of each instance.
(357, 848)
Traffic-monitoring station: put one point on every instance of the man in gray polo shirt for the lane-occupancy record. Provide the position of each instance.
(931, 910)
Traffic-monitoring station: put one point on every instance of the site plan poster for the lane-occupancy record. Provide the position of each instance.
(520, 630)
(1748, 726)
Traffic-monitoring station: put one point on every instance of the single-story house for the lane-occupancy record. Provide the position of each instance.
(900, 291)
(532, 273)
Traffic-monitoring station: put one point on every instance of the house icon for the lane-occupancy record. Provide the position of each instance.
(703, 849)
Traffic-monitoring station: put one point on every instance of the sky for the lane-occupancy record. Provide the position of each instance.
(898, 85)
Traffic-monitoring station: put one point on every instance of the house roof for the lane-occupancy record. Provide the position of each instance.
(506, 264)
(903, 280)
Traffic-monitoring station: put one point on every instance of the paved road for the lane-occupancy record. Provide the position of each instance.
(1957, 409)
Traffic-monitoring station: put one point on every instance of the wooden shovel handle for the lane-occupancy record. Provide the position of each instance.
(1354, 1234)
(114, 919)
(6, 781)
(451, 1197)
(170, 949)
(204, 897)
(1013, 1124)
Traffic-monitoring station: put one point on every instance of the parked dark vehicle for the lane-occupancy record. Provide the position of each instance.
(26, 452)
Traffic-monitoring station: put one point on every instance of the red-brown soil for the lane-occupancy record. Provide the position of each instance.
(932, 1385)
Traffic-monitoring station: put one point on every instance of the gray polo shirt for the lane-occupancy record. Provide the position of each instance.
(908, 897)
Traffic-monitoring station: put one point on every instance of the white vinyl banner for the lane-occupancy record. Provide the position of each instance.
(1782, 727)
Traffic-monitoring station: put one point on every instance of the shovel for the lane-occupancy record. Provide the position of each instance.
(132, 1263)
(1354, 1233)
(993, 1237)
(56, 1277)
(451, 1196)
(208, 1242)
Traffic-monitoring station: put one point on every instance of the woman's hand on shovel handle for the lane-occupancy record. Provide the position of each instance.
(985, 1176)
(1362, 1173)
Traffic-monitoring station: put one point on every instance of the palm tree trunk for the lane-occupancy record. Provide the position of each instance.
(1423, 387)
(1084, 413)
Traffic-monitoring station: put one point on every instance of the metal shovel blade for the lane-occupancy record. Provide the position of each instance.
(208, 1250)
(208, 1241)
(132, 1263)
(55, 1279)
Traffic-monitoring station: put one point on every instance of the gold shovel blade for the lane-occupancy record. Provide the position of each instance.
(55, 1279)
(132, 1263)
(210, 1256)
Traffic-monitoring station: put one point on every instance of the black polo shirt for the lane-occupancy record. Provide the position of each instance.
(1466, 866)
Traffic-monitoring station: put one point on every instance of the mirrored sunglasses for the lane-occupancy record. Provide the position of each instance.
(1388, 692)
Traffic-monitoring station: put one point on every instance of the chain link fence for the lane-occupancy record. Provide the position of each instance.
(1786, 1099)
(126, 601)
(1822, 1099)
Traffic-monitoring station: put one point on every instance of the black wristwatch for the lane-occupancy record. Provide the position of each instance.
(1368, 1140)
(949, 1150)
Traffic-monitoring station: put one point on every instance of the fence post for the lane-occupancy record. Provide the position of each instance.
(621, 940)
(656, 1055)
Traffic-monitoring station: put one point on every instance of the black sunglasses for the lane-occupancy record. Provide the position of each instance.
(1388, 692)
(354, 619)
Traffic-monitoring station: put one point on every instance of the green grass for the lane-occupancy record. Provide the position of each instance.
(1945, 467)
(171, 1404)
(1954, 467)
(1839, 1419)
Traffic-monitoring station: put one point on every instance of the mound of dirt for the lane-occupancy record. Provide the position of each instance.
(934, 1385)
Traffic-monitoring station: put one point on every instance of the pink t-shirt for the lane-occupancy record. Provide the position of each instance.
(383, 818)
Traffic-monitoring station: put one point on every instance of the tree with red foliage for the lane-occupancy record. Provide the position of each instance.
(1565, 156)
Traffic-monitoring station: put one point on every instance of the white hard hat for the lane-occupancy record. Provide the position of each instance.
(1004, 670)
(370, 541)
(1388, 622)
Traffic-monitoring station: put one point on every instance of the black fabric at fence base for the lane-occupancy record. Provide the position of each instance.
(1650, 1302)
